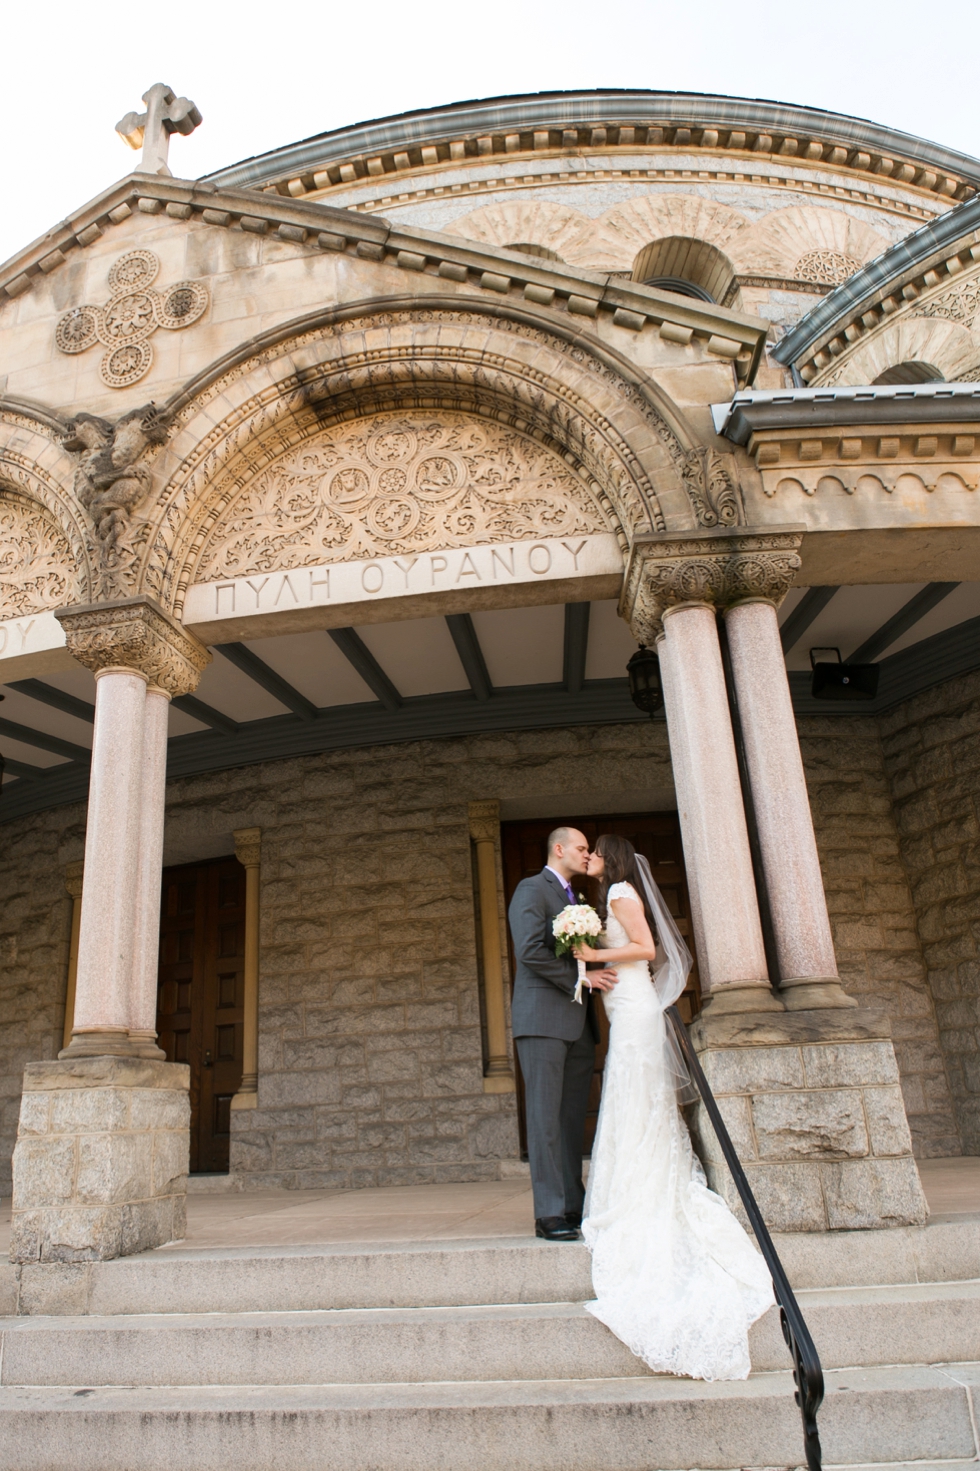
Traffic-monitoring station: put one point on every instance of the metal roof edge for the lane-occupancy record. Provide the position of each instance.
(431, 125)
(886, 270)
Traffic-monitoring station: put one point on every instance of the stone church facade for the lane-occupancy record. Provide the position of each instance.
(336, 492)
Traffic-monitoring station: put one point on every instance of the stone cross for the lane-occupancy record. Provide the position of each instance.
(151, 130)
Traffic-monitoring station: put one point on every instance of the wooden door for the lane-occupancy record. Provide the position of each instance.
(201, 994)
(657, 835)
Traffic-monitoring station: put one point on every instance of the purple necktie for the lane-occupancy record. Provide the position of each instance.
(568, 891)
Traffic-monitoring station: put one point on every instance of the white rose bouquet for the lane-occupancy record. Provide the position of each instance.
(576, 925)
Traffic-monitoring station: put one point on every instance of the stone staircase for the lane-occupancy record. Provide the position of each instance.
(470, 1354)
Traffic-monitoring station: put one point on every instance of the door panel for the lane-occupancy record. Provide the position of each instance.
(524, 849)
(201, 993)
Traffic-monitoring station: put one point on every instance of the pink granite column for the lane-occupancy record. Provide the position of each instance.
(804, 944)
(728, 933)
(112, 842)
(146, 944)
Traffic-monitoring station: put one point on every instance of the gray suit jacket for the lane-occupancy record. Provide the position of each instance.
(544, 984)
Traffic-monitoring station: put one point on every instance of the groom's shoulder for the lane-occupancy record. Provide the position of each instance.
(535, 882)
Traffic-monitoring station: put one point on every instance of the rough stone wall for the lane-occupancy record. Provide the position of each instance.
(932, 754)
(872, 912)
(370, 1047)
(35, 928)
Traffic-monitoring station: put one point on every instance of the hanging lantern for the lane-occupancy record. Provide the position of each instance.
(646, 691)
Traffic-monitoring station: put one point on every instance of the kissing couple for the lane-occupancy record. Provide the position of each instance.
(675, 1276)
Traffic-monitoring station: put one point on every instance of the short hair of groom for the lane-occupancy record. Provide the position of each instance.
(559, 835)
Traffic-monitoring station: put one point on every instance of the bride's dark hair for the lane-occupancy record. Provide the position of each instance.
(619, 856)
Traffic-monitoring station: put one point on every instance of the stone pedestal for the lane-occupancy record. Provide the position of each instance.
(813, 1104)
(101, 1160)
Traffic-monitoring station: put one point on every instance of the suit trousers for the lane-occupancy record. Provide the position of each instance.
(557, 1079)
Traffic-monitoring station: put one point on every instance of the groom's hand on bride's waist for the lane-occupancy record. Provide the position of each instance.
(601, 980)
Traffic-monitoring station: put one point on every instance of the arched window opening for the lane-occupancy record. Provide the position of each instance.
(541, 251)
(686, 266)
(910, 372)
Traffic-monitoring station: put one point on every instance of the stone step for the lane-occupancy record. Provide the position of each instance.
(931, 1323)
(870, 1416)
(454, 1273)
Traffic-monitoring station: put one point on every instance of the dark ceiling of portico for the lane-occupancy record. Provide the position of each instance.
(524, 668)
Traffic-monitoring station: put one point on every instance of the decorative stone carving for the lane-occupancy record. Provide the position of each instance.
(624, 445)
(721, 569)
(35, 558)
(828, 267)
(110, 483)
(711, 483)
(130, 317)
(960, 304)
(393, 484)
(484, 821)
(135, 634)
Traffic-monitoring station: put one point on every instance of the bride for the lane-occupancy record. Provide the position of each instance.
(675, 1276)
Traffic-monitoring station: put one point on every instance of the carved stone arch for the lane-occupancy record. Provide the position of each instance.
(948, 346)
(47, 555)
(620, 438)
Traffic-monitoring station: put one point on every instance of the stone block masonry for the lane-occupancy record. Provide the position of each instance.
(813, 1104)
(370, 1065)
(872, 913)
(932, 757)
(100, 1167)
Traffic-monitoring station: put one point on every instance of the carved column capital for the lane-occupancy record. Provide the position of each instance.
(248, 846)
(74, 873)
(484, 821)
(135, 633)
(720, 568)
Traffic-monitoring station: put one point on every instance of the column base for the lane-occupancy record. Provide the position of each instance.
(750, 996)
(144, 1044)
(100, 1042)
(101, 1160)
(814, 1107)
(814, 993)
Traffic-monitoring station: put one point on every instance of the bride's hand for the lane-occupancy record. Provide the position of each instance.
(586, 953)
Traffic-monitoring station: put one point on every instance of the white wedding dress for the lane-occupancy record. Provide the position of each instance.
(675, 1276)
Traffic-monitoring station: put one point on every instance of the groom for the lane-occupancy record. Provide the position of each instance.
(555, 1038)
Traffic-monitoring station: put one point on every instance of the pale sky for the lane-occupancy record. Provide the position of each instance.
(265, 74)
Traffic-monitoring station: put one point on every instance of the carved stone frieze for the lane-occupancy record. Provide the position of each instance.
(36, 563)
(398, 483)
(721, 570)
(135, 633)
(111, 481)
(130, 317)
(624, 454)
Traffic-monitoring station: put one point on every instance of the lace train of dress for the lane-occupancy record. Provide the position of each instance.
(675, 1275)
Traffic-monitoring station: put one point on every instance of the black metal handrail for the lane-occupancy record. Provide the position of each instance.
(807, 1373)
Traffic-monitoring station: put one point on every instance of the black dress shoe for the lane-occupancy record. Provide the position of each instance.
(555, 1228)
(574, 1218)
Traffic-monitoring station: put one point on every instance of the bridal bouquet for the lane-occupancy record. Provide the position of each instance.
(576, 925)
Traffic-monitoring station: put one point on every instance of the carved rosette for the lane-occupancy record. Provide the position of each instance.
(135, 634)
(665, 571)
(484, 821)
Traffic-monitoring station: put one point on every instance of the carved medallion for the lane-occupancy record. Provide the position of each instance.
(397, 483)
(130, 317)
(36, 561)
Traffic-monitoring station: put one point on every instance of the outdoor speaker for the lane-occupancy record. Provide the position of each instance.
(840, 681)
